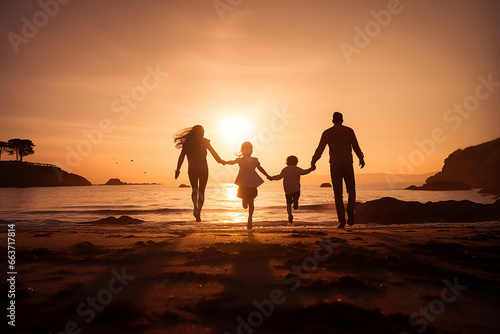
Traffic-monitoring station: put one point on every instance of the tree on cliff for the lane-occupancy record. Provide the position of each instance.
(3, 148)
(21, 147)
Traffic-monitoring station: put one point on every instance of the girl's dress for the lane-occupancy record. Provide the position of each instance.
(248, 180)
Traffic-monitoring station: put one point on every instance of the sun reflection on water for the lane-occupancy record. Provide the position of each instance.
(235, 213)
(231, 190)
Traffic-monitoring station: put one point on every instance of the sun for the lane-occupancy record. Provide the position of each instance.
(235, 129)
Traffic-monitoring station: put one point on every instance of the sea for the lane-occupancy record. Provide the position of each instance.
(169, 207)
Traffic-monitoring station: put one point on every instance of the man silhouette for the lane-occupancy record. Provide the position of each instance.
(341, 141)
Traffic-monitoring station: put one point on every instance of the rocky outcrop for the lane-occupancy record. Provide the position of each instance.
(441, 186)
(326, 185)
(114, 182)
(26, 174)
(476, 166)
(389, 210)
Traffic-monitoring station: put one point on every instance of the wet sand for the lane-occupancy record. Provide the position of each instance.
(435, 278)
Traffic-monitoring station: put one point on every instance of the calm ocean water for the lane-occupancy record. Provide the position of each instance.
(167, 206)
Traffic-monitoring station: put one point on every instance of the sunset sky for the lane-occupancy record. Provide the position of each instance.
(100, 87)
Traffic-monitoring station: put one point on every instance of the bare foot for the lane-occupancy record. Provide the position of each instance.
(196, 215)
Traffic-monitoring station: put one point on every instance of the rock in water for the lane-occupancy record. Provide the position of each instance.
(114, 182)
(123, 220)
(389, 210)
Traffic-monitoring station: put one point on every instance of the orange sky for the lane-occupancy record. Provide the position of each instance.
(114, 80)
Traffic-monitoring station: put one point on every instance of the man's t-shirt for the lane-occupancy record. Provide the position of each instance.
(341, 140)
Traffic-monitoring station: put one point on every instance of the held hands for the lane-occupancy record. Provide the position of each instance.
(361, 163)
(313, 167)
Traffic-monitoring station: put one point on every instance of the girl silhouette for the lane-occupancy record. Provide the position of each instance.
(248, 180)
(195, 147)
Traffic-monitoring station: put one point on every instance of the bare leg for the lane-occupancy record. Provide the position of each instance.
(201, 192)
(289, 211)
(250, 214)
(193, 179)
(194, 197)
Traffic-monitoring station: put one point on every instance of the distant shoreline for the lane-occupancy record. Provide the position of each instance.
(23, 174)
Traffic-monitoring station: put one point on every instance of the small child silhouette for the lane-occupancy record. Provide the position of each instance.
(248, 180)
(291, 183)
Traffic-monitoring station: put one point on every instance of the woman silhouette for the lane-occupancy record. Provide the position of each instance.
(195, 146)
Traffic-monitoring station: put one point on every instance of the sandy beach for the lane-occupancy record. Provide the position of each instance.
(432, 278)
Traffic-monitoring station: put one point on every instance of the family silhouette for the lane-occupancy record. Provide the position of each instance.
(340, 139)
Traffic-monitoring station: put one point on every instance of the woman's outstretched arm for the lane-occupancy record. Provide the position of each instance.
(179, 163)
(214, 154)
(231, 162)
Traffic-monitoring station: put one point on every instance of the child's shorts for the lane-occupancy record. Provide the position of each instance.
(290, 198)
(246, 193)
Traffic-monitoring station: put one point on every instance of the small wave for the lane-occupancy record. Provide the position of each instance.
(95, 207)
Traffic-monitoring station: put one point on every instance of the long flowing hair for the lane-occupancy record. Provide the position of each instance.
(189, 136)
